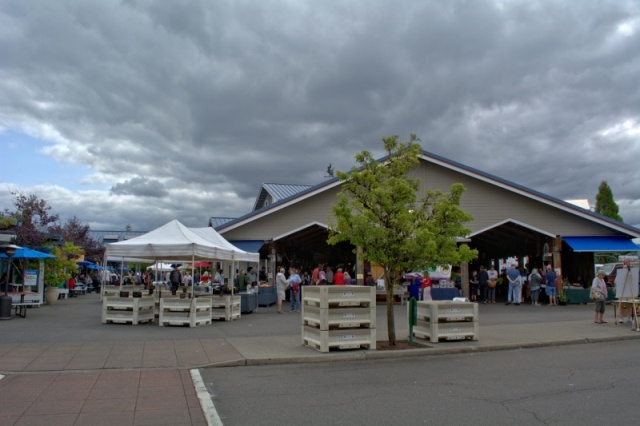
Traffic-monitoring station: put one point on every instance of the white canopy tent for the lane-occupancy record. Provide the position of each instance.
(174, 243)
(162, 267)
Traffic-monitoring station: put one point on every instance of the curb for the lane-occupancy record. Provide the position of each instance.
(412, 353)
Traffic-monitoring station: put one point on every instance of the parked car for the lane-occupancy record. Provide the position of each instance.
(611, 271)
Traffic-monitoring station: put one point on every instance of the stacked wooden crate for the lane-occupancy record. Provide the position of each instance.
(127, 310)
(446, 320)
(191, 312)
(225, 307)
(338, 317)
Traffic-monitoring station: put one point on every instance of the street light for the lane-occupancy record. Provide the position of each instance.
(5, 301)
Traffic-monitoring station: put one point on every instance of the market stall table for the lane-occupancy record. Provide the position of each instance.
(627, 303)
(444, 293)
(248, 302)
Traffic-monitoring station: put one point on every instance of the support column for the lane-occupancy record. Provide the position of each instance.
(359, 266)
(557, 264)
(464, 276)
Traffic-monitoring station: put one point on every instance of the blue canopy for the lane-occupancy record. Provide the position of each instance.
(27, 253)
(601, 243)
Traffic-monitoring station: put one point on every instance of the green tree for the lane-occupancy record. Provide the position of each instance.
(605, 205)
(59, 270)
(379, 211)
(78, 233)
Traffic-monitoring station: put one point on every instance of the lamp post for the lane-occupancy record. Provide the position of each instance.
(5, 300)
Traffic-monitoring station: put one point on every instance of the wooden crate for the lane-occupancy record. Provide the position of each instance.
(127, 310)
(324, 340)
(323, 296)
(436, 331)
(181, 312)
(225, 308)
(340, 317)
(447, 311)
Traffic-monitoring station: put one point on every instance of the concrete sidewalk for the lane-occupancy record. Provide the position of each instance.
(62, 366)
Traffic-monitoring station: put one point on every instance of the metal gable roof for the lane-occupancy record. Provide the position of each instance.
(278, 191)
(457, 167)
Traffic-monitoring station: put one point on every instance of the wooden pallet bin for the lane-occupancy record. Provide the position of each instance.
(323, 296)
(447, 320)
(181, 312)
(127, 310)
(225, 307)
(447, 311)
(339, 317)
(346, 338)
(436, 331)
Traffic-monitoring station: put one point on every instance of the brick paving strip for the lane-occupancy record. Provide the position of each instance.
(123, 397)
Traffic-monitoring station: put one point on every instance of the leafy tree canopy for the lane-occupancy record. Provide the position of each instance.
(35, 226)
(33, 216)
(378, 210)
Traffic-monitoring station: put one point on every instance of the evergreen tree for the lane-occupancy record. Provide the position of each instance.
(605, 205)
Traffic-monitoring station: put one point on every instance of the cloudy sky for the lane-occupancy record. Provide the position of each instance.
(138, 112)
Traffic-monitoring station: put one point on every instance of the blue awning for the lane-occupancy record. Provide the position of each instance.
(610, 243)
(250, 246)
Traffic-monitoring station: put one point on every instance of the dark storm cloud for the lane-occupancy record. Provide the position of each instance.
(141, 187)
(201, 102)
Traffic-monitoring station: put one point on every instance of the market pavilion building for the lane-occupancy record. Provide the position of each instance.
(289, 223)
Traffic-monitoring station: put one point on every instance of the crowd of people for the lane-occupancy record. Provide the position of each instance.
(518, 284)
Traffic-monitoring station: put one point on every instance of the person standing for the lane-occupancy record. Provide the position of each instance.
(599, 294)
(242, 280)
(294, 284)
(493, 276)
(252, 278)
(513, 275)
(534, 281)
(329, 274)
(338, 278)
(314, 275)
(550, 281)
(483, 285)
(175, 278)
(369, 281)
(473, 284)
(281, 287)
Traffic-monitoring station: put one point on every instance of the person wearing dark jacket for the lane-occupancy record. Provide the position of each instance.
(483, 283)
(175, 278)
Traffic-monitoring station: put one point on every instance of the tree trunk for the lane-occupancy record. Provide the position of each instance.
(391, 327)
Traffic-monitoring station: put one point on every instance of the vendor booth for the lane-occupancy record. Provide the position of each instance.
(175, 243)
(28, 291)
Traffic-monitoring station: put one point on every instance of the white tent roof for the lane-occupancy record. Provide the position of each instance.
(175, 242)
(211, 235)
(164, 267)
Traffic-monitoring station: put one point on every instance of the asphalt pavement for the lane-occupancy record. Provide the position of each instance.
(61, 365)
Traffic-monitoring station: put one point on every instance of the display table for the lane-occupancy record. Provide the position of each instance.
(579, 295)
(267, 296)
(630, 304)
(248, 302)
(444, 293)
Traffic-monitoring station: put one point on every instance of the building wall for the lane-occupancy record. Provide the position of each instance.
(487, 203)
(315, 209)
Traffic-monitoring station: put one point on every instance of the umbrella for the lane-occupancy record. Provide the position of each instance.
(27, 253)
(201, 265)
